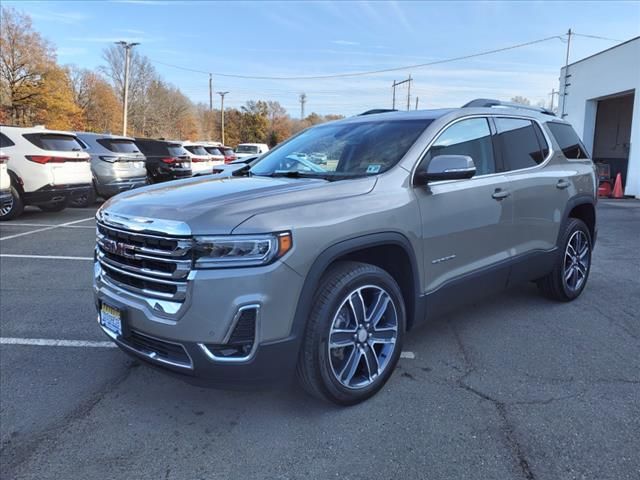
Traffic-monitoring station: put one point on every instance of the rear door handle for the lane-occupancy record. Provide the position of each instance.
(562, 184)
(500, 194)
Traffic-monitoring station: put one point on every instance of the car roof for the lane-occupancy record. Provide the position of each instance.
(36, 129)
(102, 135)
(252, 144)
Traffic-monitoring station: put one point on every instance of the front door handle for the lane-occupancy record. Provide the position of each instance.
(500, 194)
(562, 184)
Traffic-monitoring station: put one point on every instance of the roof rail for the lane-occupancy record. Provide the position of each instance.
(377, 110)
(488, 102)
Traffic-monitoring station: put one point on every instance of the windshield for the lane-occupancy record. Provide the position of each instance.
(54, 141)
(196, 149)
(175, 150)
(246, 149)
(346, 150)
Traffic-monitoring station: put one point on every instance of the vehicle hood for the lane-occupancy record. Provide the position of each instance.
(214, 206)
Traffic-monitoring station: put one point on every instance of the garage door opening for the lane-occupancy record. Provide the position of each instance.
(612, 136)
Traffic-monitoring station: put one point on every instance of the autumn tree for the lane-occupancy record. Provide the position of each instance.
(100, 107)
(25, 59)
(55, 105)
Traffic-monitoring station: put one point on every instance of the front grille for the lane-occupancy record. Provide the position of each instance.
(149, 265)
(157, 349)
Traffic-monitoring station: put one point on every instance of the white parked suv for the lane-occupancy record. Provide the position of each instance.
(47, 168)
(251, 149)
(201, 162)
(5, 183)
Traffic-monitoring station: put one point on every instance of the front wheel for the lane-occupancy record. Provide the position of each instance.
(569, 276)
(53, 207)
(354, 336)
(13, 208)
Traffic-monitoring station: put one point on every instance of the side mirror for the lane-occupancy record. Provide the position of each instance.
(446, 167)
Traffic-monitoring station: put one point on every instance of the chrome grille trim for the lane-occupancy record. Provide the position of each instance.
(149, 265)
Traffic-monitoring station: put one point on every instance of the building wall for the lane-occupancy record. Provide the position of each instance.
(606, 74)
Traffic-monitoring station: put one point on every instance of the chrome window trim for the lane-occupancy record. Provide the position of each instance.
(488, 175)
(227, 336)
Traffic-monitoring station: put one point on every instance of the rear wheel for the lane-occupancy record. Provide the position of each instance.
(54, 207)
(86, 200)
(14, 207)
(569, 277)
(354, 335)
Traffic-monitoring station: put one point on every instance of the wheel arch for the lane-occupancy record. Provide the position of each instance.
(16, 181)
(583, 208)
(391, 251)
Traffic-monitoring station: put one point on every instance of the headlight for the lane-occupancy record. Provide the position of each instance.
(240, 250)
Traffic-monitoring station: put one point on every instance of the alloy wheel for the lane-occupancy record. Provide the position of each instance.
(363, 336)
(576, 260)
(7, 207)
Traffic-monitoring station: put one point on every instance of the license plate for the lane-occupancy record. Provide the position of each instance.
(111, 318)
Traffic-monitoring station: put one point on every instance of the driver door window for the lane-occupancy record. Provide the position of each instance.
(470, 137)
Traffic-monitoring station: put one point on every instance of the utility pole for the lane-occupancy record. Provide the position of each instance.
(222, 94)
(566, 74)
(409, 94)
(393, 105)
(416, 102)
(553, 93)
(303, 100)
(127, 59)
(210, 92)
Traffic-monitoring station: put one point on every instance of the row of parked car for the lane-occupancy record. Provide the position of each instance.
(54, 169)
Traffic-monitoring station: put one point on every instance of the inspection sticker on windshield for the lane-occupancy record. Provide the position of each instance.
(373, 168)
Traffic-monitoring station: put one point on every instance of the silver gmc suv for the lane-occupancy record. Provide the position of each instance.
(322, 270)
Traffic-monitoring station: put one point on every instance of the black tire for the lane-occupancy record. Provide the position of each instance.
(54, 207)
(316, 368)
(84, 201)
(555, 284)
(16, 208)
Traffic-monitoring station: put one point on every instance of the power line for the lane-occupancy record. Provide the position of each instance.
(597, 37)
(370, 72)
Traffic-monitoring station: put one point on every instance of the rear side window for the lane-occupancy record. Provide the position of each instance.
(470, 137)
(196, 149)
(118, 145)
(228, 151)
(519, 143)
(568, 140)
(5, 141)
(54, 141)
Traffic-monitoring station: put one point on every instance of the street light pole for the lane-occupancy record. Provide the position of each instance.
(127, 58)
(222, 94)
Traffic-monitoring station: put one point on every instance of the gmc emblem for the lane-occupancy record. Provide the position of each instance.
(117, 248)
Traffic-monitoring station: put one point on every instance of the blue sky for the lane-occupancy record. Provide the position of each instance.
(316, 38)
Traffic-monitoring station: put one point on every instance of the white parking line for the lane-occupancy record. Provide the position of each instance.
(45, 229)
(44, 225)
(45, 342)
(43, 257)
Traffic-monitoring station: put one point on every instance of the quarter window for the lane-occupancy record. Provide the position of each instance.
(519, 143)
(568, 140)
(470, 137)
(5, 141)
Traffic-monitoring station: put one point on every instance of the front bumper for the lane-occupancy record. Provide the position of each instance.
(57, 193)
(207, 317)
(122, 185)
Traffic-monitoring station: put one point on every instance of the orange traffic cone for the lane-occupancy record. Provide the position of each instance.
(617, 188)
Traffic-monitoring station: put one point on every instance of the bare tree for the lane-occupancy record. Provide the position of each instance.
(521, 100)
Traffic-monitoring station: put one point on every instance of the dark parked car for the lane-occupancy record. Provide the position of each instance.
(166, 160)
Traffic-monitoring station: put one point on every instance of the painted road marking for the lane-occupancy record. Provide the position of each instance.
(43, 257)
(44, 229)
(44, 225)
(46, 342)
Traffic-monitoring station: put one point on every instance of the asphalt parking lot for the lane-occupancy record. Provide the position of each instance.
(514, 387)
